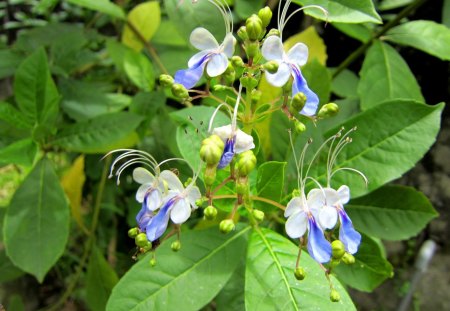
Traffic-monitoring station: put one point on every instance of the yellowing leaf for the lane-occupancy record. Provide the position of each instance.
(144, 18)
(311, 38)
(72, 183)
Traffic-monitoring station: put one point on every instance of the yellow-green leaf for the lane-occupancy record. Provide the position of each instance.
(310, 37)
(144, 18)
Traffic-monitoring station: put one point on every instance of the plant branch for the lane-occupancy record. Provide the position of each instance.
(252, 197)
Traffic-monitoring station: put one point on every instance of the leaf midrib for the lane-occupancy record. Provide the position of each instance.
(388, 209)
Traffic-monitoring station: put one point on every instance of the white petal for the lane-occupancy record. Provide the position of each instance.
(196, 58)
(202, 39)
(217, 65)
(154, 200)
(140, 194)
(294, 205)
(328, 217)
(272, 48)
(298, 54)
(180, 211)
(193, 195)
(279, 78)
(228, 45)
(224, 132)
(316, 199)
(296, 225)
(143, 176)
(172, 180)
(243, 142)
(344, 194)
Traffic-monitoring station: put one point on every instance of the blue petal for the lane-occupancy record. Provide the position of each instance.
(347, 234)
(144, 215)
(228, 153)
(300, 85)
(189, 77)
(158, 224)
(318, 247)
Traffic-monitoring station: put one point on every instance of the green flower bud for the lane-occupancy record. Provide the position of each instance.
(180, 91)
(337, 249)
(298, 102)
(254, 27)
(334, 295)
(296, 193)
(248, 81)
(242, 33)
(300, 127)
(210, 175)
(133, 232)
(241, 187)
(246, 162)
(265, 14)
(273, 32)
(166, 80)
(237, 61)
(348, 259)
(252, 49)
(199, 202)
(211, 150)
(188, 182)
(259, 215)
(153, 262)
(141, 240)
(300, 273)
(328, 110)
(210, 212)
(175, 246)
(220, 87)
(255, 96)
(226, 226)
(271, 66)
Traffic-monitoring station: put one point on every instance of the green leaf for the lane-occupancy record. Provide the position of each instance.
(173, 58)
(9, 61)
(187, 280)
(144, 18)
(245, 8)
(168, 34)
(345, 84)
(384, 76)
(21, 152)
(391, 213)
(100, 280)
(381, 146)
(8, 271)
(270, 283)
(37, 222)
(35, 91)
(231, 297)
(446, 13)
(270, 183)
(319, 80)
(392, 4)
(356, 31)
(139, 69)
(427, 36)
(100, 134)
(102, 6)
(343, 11)
(348, 108)
(370, 268)
(13, 117)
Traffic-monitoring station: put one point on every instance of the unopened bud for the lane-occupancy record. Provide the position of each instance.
(188, 182)
(296, 193)
(220, 87)
(175, 246)
(211, 149)
(300, 273)
(165, 80)
(153, 262)
(255, 95)
(141, 240)
(348, 259)
(337, 249)
(273, 32)
(210, 212)
(254, 27)
(246, 162)
(210, 174)
(265, 14)
(242, 187)
(328, 110)
(133, 232)
(271, 66)
(259, 215)
(242, 33)
(252, 49)
(199, 202)
(334, 296)
(300, 127)
(226, 226)
(179, 91)
(237, 61)
(298, 102)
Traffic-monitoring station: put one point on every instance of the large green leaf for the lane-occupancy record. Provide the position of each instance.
(14, 117)
(139, 69)
(231, 297)
(270, 182)
(356, 31)
(35, 91)
(21, 152)
(100, 134)
(145, 18)
(9, 60)
(270, 283)
(186, 280)
(345, 84)
(343, 11)
(428, 36)
(384, 76)
(102, 6)
(37, 222)
(370, 268)
(319, 80)
(391, 212)
(100, 280)
(382, 145)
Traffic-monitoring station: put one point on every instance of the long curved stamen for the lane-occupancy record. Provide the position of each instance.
(211, 121)
(127, 164)
(130, 152)
(352, 170)
(225, 11)
(295, 158)
(325, 12)
(235, 112)
(333, 154)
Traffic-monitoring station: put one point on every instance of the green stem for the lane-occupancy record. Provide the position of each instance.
(358, 52)
(252, 197)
